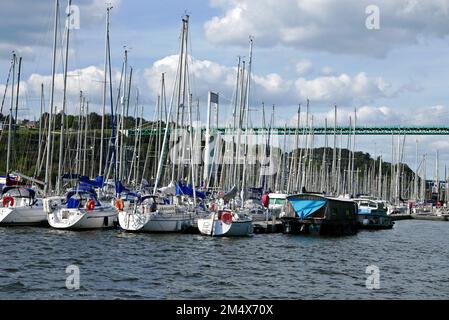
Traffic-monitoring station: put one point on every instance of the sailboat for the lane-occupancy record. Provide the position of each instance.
(254, 207)
(151, 213)
(80, 208)
(19, 204)
(165, 209)
(225, 222)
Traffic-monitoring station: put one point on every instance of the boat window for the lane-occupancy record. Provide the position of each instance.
(364, 203)
(372, 205)
(19, 193)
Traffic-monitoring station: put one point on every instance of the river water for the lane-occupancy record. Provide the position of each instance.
(413, 262)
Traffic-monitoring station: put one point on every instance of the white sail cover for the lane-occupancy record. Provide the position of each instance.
(169, 190)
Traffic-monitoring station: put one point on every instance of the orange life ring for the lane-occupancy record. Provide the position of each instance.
(90, 205)
(8, 200)
(226, 217)
(119, 204)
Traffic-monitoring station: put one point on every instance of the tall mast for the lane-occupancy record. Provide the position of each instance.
(248, 87)
(164, 142)
(437, 176)
(185, 23)
(105, 71)
(306, 157)
(64, 96)
(207, 145)
(234, 127)
(380, 178)
(239, 132)
(86, 127)
(415, 184)
(334, 154)
(192, 166)
(123, 103)
(52, 94)
(37, 170)
(8, 151)
(298, 152)
(353, 190)
(17, 91)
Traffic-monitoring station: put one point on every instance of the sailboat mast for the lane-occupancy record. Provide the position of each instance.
(64, 101)
(334, 154)
(248, 87)
(37, 171)
(185, 22)
(17, 91)
(105, 72)
(52, 93)
(415, 184)
(8, 151)
(123, 103)
(380, 178)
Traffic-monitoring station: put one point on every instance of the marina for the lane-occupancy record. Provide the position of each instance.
(162, 182)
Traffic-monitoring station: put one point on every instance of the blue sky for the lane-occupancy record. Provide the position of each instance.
(318, 49)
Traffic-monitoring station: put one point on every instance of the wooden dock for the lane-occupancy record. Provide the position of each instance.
(402, 216)
(267, 227)
(430, 217)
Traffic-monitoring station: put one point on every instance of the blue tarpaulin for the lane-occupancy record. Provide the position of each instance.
(188, 190)
(305, 208)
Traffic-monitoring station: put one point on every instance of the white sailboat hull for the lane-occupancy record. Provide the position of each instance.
(23, 216)
(153, 222)
(78, 219)
(217, 228)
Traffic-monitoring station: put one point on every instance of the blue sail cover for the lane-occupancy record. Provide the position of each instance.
(97, 182)
(255, 193)
(188, 190)
(304, 208)
(119, 187)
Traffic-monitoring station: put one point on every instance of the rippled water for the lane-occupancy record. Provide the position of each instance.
(413, 260)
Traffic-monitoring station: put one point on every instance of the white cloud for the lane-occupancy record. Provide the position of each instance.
(327, 25)
(343, 89)
(89, 80)
(206, 75)
(327, 71)
(271, 88)
(304, 67)
(377, 116)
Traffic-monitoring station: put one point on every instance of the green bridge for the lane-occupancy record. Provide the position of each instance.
(360, 130)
